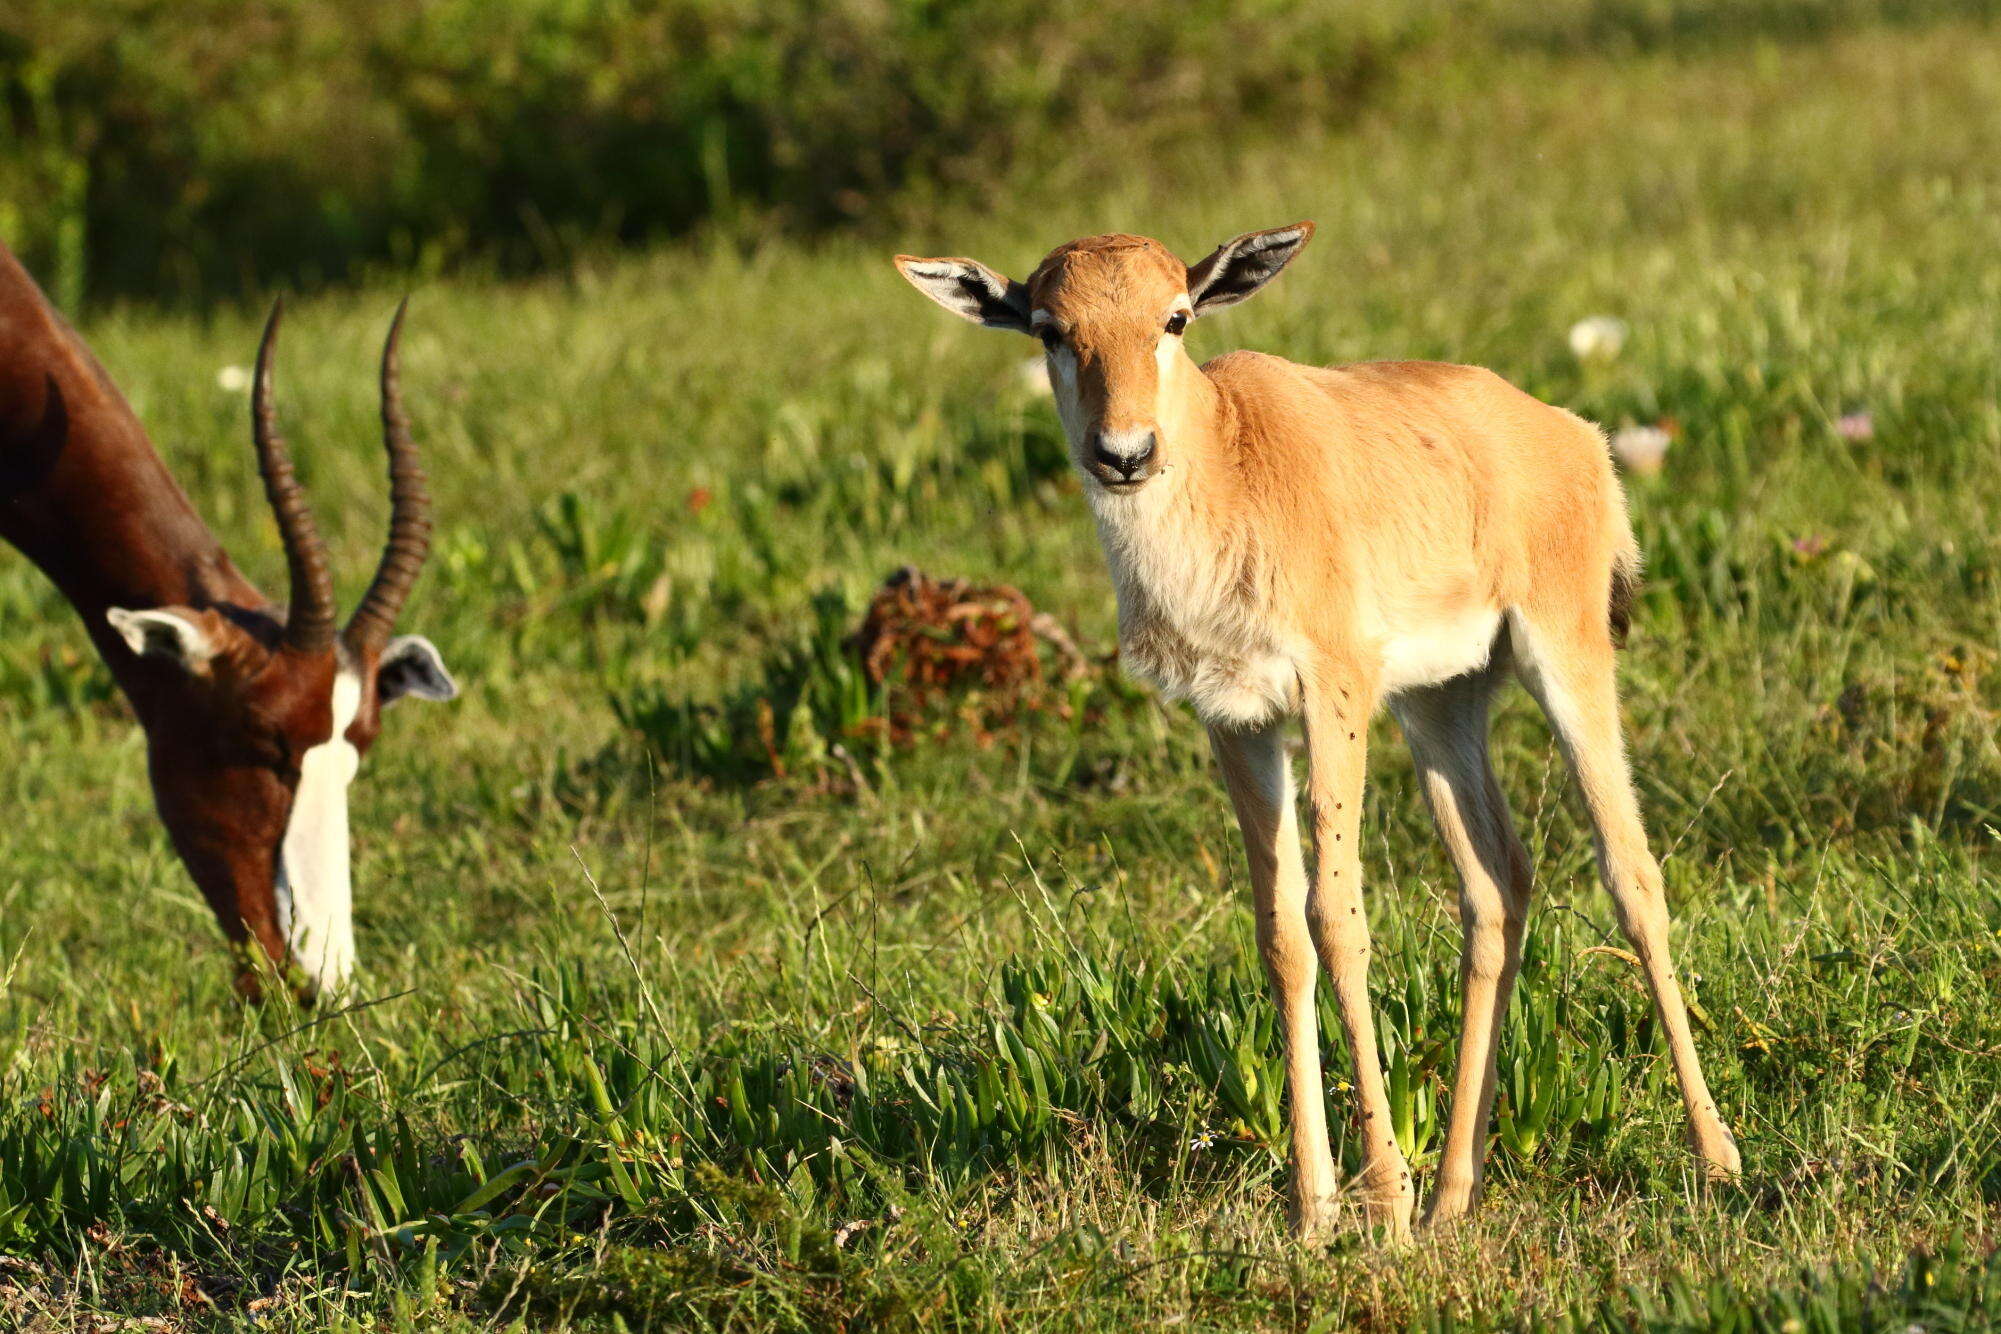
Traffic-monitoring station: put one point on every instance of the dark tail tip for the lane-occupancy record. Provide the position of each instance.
(1625, 587)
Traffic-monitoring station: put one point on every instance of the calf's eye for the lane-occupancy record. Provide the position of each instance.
(1177, 322)
(1050, 339)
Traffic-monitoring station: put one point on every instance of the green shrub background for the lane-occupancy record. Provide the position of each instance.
(184, 148)
(172, 148)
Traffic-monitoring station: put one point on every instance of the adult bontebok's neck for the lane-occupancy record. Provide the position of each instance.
(83, 494)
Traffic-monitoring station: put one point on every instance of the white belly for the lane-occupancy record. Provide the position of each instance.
(1439, 650)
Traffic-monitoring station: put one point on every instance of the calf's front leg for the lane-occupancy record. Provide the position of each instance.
(1259, 778)
(1337, 709)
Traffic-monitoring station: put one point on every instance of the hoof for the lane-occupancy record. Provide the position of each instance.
(1718, 1154)
(1450, 1202)
(1391, 1212)
(1393, 1221)
(1314, 1217)
(1325, 1214)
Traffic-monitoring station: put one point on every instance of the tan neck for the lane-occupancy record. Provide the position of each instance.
(1200, 423)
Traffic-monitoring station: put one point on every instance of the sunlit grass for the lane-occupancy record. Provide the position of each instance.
(969, 1036)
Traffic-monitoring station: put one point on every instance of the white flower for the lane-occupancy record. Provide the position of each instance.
(1598, 338)
(1641, 448)
(232, 379)
(1034, 375)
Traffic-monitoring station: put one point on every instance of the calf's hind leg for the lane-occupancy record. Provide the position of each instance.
(1569, 666)
(1446, 727)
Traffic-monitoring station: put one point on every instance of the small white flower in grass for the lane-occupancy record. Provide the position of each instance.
(1641, 448)
(1597, 338)
(232, 379)
(1205, 1140)
(1034, 375)
(1855, 426)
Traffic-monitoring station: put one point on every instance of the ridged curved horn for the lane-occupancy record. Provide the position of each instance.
(309, 624)
(409, 513)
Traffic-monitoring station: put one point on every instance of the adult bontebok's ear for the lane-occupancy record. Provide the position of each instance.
(970, 290)
(164, 634)
(411, 665)
(1240, 267)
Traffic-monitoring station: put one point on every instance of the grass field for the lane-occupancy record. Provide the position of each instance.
(969, 1033)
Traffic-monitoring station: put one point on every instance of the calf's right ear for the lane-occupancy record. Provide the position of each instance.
(970, 290)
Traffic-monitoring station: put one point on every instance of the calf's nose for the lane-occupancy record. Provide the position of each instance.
(1124, 455)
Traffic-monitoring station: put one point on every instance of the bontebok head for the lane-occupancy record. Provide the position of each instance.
(1110, 312)
(275, 710)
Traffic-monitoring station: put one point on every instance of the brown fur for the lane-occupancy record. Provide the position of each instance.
(85, 497)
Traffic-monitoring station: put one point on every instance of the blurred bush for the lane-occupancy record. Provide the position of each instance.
(179, 147)
(183, 148)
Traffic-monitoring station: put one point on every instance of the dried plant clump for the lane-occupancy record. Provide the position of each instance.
(927, 639)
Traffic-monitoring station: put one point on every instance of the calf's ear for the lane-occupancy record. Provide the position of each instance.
(970, 290)
(1239, 267)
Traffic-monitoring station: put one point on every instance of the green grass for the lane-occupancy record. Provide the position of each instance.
(965, 1035)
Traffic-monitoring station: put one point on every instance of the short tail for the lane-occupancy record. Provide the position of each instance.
(1625, 587)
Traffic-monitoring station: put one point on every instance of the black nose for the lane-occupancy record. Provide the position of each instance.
(1124, 463)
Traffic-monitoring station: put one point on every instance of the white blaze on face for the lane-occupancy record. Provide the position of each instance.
(1063, 386)
(1169, 356)
(315, 894)
(1062, 364)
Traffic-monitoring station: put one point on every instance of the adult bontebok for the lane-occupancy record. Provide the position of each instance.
(1294, 541)
(255, 717)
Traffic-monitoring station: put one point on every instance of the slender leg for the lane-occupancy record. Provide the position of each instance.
(1259, 778)
(1446, 727)
(1337, 725)
(1572, 677)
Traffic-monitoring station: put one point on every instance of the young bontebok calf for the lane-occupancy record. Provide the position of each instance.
(1294, 541)
(256, 717)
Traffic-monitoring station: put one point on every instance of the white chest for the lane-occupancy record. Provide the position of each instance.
(1183, 622)
(1227, 687)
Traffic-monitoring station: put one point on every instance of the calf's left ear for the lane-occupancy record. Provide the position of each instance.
(411, 665)
(1241, 266)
